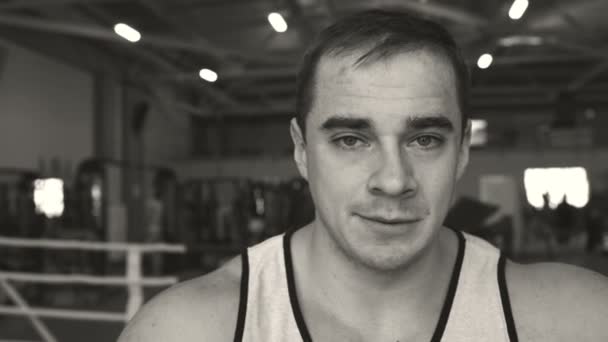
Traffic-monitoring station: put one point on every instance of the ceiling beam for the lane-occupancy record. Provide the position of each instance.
(532, 24)
(266, 73)
(160, 63)
(107, 34)
(211, 92)
(557, 10)
(96, 32)
(433, 9)
(36, 4)
(181, 28)
(579, 48)
(297, 16)
(587, 76)
(443, 11)
(184, 29)
(260, 73)
(78, 54)
(197, 38)
(540, 58)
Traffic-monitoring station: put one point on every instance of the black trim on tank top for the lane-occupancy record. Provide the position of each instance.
(240, 322)
(504, 297)
(449, 297)
(291, 287)
(445, 311)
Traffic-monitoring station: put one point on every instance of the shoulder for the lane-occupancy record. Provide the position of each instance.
(552, 301)
(201, 309)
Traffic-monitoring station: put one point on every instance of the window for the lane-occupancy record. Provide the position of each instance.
(571, 182)
(479, 133)
(48, 196)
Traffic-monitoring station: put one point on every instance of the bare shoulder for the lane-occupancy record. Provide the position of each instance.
(201, 309)
(558, 302)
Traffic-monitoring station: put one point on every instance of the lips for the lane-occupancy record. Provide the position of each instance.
(389, 221)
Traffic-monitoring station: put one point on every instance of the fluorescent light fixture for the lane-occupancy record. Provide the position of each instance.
(277, 22)
(484, 61)
(48, 196)
(520, 40)
(208, 75)
(571, 182)
(518, 8)
(127, 32)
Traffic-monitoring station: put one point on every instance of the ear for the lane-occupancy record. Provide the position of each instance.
(299, 151)
(463, 155)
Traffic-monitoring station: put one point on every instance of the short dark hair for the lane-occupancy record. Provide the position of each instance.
(378, 34)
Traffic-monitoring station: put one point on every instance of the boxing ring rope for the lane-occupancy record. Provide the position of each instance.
(133, 280)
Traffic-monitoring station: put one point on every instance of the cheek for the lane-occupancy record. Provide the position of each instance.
(335, 181)
(437, 181)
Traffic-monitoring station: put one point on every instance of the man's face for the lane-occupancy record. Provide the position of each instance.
(382, 154)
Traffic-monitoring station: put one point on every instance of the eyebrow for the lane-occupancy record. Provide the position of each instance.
(412, 123)
(426, 122)
(343, 122)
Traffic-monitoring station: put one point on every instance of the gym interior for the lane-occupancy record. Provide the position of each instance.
(143, 143)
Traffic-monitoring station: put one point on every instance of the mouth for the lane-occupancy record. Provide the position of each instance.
(389, 221)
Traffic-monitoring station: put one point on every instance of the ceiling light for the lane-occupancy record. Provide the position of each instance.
(484, 61)
(518, 8)
(520, 40)
(127, 32)
(208, 75)
(277, 22)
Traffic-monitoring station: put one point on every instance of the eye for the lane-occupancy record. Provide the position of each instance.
(428, 141)
(349, 142)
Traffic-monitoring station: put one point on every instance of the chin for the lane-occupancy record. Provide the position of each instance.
(386, 256)
(385, 259)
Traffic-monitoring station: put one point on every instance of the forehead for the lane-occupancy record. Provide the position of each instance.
(389, 91)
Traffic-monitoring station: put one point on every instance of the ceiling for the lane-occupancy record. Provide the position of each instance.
(559, 45)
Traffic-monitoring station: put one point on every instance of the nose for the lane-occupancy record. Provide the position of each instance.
(394, 175)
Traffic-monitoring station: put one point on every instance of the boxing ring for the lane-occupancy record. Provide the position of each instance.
(133, 280)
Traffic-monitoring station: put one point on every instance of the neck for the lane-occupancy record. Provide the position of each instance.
(343, 283)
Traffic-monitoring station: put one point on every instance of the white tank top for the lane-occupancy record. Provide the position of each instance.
(476, 307)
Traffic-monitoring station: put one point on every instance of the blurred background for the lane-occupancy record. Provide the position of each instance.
(157, 121)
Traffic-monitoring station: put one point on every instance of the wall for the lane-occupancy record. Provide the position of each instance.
(166, 134)
(46, 110)
(49, 109)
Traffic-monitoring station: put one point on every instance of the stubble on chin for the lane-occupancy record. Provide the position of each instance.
(363, 251)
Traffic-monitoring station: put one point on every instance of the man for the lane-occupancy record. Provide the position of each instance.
(381, 135)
